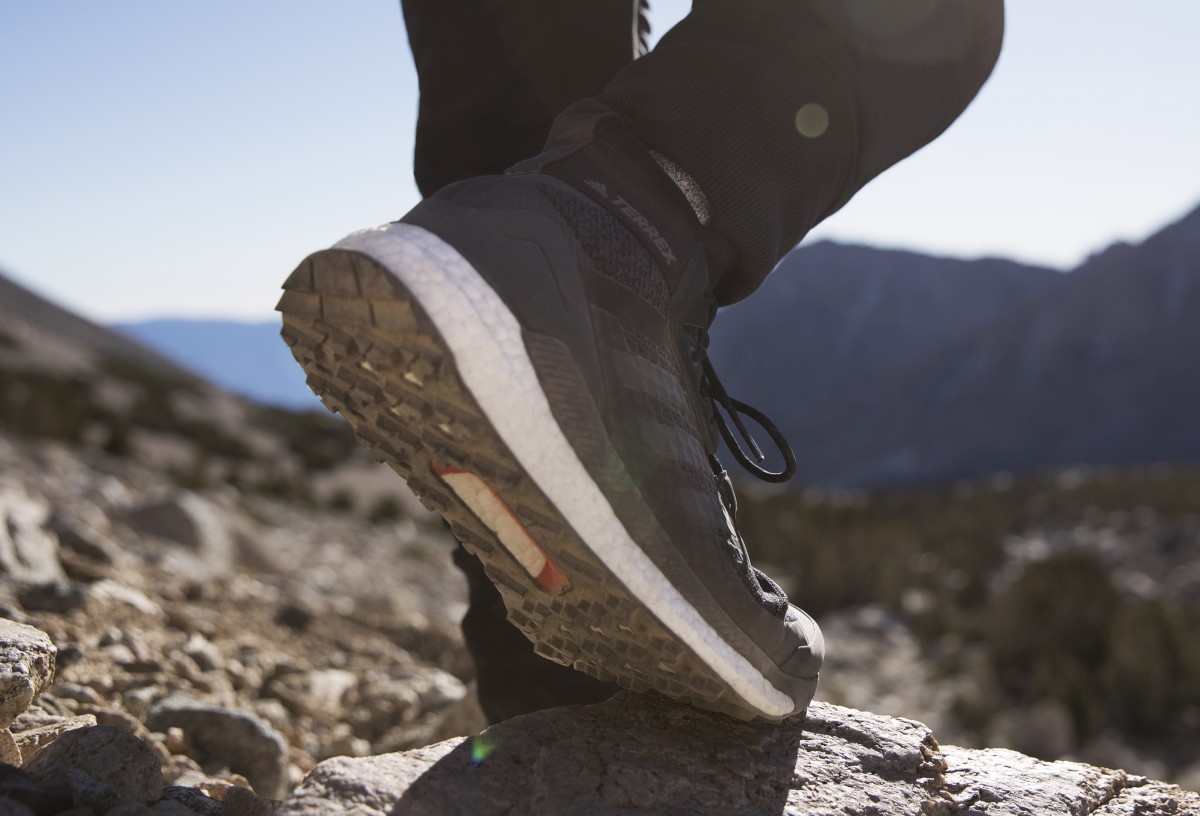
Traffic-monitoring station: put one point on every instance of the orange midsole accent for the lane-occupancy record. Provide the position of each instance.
(498, 517)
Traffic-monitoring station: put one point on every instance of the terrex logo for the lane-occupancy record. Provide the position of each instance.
(642, 222)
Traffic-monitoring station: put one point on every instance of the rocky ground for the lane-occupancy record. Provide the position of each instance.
(175, 651)
(641, 754)
(242, 639)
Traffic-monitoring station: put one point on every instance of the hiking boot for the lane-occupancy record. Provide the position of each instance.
(528, 352)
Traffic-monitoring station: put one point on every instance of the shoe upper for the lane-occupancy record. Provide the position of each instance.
(616, 322)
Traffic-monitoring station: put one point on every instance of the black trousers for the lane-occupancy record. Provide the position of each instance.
(780, 110)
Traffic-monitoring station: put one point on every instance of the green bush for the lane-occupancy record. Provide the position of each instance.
(387, 508)
(150, 379)
(1059, 628)
(34, 403)
(340, 501)
(1050, 634)
(322, 441)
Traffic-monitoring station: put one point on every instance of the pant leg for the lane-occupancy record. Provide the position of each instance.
(493, 74)
(510, 678)
(782, 109)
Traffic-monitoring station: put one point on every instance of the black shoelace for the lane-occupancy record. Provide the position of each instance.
(734, 410)
(770, 592)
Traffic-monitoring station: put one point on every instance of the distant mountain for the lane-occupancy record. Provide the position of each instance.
(887, 367)
(246, 358)
(835, 327)
(1106, 371)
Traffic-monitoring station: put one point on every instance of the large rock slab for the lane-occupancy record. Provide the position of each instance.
(640, 754)
(26, 667)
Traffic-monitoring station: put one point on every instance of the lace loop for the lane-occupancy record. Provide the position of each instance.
(735, 409)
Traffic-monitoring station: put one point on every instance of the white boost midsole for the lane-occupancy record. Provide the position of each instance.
(485, 339)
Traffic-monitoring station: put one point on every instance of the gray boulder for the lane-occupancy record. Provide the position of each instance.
(10, 752)
(32, 740)
(28, 552)
(640, 754)
(26, 667)
(192, 800)
(196, 524)
(237, 740)
(101, 763)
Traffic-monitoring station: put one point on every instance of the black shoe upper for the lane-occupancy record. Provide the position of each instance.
(618, 335)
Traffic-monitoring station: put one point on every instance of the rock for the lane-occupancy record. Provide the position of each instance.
(206, 656)
(85, 546)
(241, 802)
(411, 709)
(57, 597)
(34, 739)
(320, 694)
(991, 777)
(84, 537)
(192, 800)
(1152, 799)
(68, 655)
(184, 771)
(46, 710)
(108, 756)
(191, 521)
(230, 738)
(643, 754)
(28, 552)
(107, 592)
(167, 808)
(9, 807)
(76, 692)
(125, 721)
(87, 794)
(19, 789)
(295, 615)
(26, 668)
(10, 752)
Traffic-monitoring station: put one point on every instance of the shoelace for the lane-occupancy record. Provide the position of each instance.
(735, 409)
(710, 385)
(769, 588)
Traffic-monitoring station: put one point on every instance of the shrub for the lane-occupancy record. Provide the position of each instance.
(387, 508)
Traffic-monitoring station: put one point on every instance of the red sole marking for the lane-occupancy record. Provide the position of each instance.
(498, 517)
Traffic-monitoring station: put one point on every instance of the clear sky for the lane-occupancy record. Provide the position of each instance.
(179, 158)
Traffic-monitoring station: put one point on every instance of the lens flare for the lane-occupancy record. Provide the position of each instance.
(482, 747)
(812, 120)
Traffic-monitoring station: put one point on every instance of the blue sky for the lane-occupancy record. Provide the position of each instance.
(169, 158)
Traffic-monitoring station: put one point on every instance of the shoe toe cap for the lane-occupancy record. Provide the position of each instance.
(808, 656)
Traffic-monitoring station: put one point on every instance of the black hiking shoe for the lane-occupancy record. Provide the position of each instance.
(528, 352)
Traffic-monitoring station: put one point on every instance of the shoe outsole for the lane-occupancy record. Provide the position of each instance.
(373, 354)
